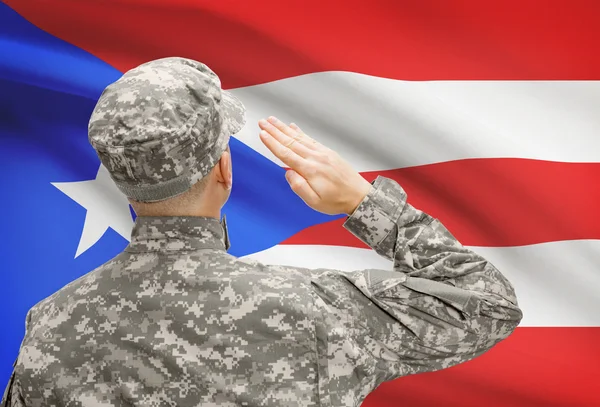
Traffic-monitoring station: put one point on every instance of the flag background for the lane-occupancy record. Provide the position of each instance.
(487, 114)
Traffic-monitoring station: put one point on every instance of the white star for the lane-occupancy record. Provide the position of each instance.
(105, 207)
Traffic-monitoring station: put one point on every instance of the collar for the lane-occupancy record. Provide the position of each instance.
(178, 233)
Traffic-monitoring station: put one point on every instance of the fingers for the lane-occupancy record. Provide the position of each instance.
(302, 137)
(307, 140)
(301, 187)
(285, 154)
(294, 131)
(286, 136)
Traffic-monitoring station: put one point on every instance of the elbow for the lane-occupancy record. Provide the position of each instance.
(514, 316)
(503, 328)
(497, 324)
(497, 310)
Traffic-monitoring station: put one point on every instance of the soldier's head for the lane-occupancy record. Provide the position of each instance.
(162, 131)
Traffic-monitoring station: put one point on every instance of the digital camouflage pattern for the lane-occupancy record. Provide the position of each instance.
(163, 126)
(176, 321)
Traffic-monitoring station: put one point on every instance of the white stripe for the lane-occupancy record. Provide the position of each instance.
(557, 283)
(379, 123)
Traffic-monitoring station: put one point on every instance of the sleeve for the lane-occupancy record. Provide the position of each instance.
(12, 394)
(441, 305)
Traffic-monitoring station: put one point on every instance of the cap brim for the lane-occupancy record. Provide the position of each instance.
(234, 112)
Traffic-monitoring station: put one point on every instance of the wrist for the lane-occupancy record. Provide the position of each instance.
(358, 197)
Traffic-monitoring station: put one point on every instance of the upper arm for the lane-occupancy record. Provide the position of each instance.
(372, 327)
(12, 394)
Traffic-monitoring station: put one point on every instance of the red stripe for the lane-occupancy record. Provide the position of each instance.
(534, 367)
(493, 202)
(254, 42)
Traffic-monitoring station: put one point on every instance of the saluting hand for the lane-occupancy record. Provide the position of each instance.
(317, 174)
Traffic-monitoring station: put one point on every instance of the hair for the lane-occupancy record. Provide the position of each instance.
(178, 205)
(171, 206)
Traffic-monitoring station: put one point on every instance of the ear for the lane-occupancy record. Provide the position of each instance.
(225, 170)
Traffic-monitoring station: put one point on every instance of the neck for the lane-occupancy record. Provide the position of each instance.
(205, 214)
(208, 211)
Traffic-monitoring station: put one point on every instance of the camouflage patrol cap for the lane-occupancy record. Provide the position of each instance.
(163, 126)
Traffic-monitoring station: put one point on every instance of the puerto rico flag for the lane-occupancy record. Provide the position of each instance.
(487, 113)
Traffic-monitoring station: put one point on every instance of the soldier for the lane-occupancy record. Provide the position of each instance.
(174, 320)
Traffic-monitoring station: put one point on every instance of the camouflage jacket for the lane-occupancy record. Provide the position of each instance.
(174, 320)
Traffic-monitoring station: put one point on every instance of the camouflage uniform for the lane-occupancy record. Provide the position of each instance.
(174, 320)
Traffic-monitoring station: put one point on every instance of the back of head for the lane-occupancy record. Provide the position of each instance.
(162, 127)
